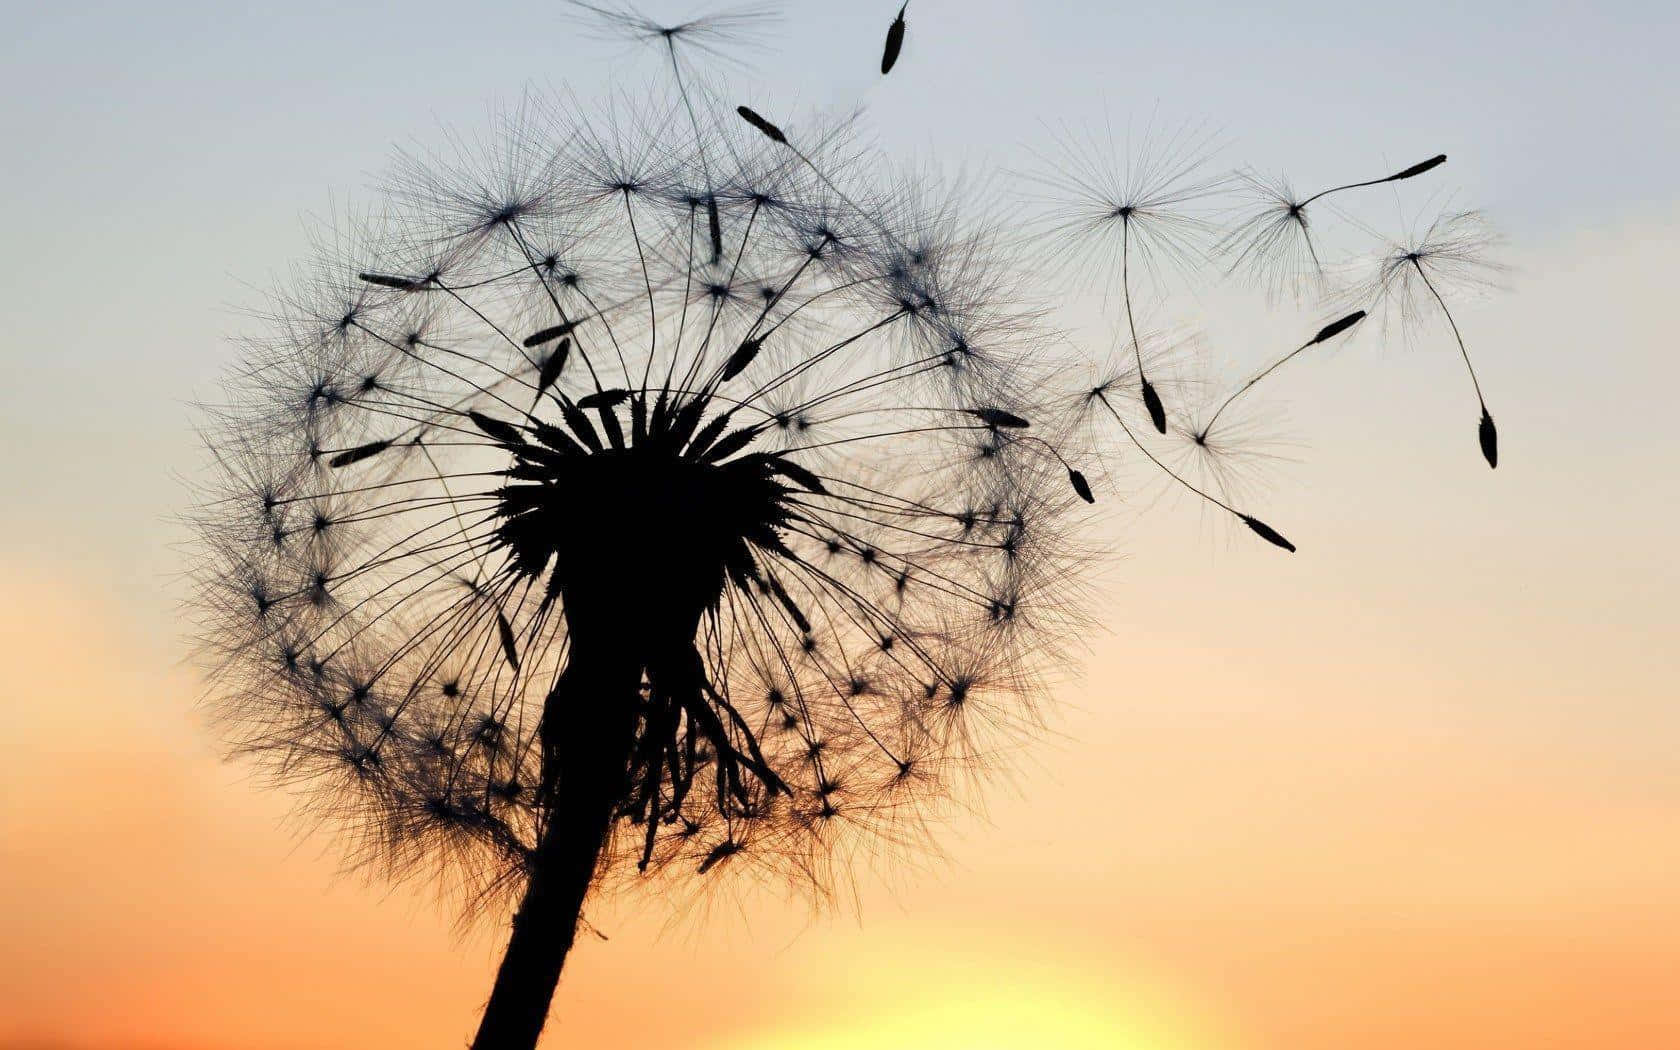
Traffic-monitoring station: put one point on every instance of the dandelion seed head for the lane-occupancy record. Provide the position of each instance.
(529, 416)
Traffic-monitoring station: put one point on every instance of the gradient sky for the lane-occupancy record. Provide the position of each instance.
(1415, 786)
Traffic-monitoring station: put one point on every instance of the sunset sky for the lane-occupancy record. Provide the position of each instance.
(1416, 786)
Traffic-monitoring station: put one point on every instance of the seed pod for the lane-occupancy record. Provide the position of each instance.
(997, 417)
(547, 458)
(1081, 486)
(719, 852)
(1418, 169)
(385, 280)
(603, 399)
(580, 424)
(716, 227)
(1335, 328)
(530, 470)
(550, 333)
(731, 444)
(611, 426)
(1489, 436)
(895, 41)
(741, 358)
(1157, 411)
(506, 630)
(1267, 533)
(781, 594)
(684, 420)
(506, 433)
(557, 439)
(552, 365)
(771, 131)
(359, 453)
(708, 434)
(797, 474)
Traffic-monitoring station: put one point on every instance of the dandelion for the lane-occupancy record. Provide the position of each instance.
(1276, 238)
(658, 496)
(1451, 253)
(1099, 192)
(564, 539)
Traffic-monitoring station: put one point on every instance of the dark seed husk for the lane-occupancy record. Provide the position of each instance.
(359, 453)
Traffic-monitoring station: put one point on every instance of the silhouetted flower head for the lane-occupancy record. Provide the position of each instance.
(525, 415)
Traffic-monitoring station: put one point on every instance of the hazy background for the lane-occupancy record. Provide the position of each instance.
(1417, 785)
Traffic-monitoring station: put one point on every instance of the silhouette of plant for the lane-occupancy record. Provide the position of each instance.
(555, 550)
(647, 494)
(1104, 205)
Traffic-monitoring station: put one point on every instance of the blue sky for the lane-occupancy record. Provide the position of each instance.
(165, 156)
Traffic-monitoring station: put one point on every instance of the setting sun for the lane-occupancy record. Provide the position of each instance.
(967, 1005)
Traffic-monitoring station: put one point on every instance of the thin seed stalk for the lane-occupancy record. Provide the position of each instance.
(589, 726)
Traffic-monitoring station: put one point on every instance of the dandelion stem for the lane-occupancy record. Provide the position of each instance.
(712, 220)
(1487, 433)
(653, 316)
(1151, 400)
(1328, 332)
(1456, 334)
(579, 815)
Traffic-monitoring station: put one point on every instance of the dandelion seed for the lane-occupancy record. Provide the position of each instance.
(359, 453)
(389, 281)
(741, 358)
(1415, 170)
(509, 648)
(715, 35)
(895, 41)
(506, 433)
(604, 399)
(1277, 240)
(1414, 277)
(997, 417)
(1146, 198)
(1081, 486)
(1267, 533)
(1325, 334)
(1260, 528)
(549, 334)
(770, 131)
(552, 366)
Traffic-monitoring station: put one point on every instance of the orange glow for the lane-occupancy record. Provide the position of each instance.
(1488, 900)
